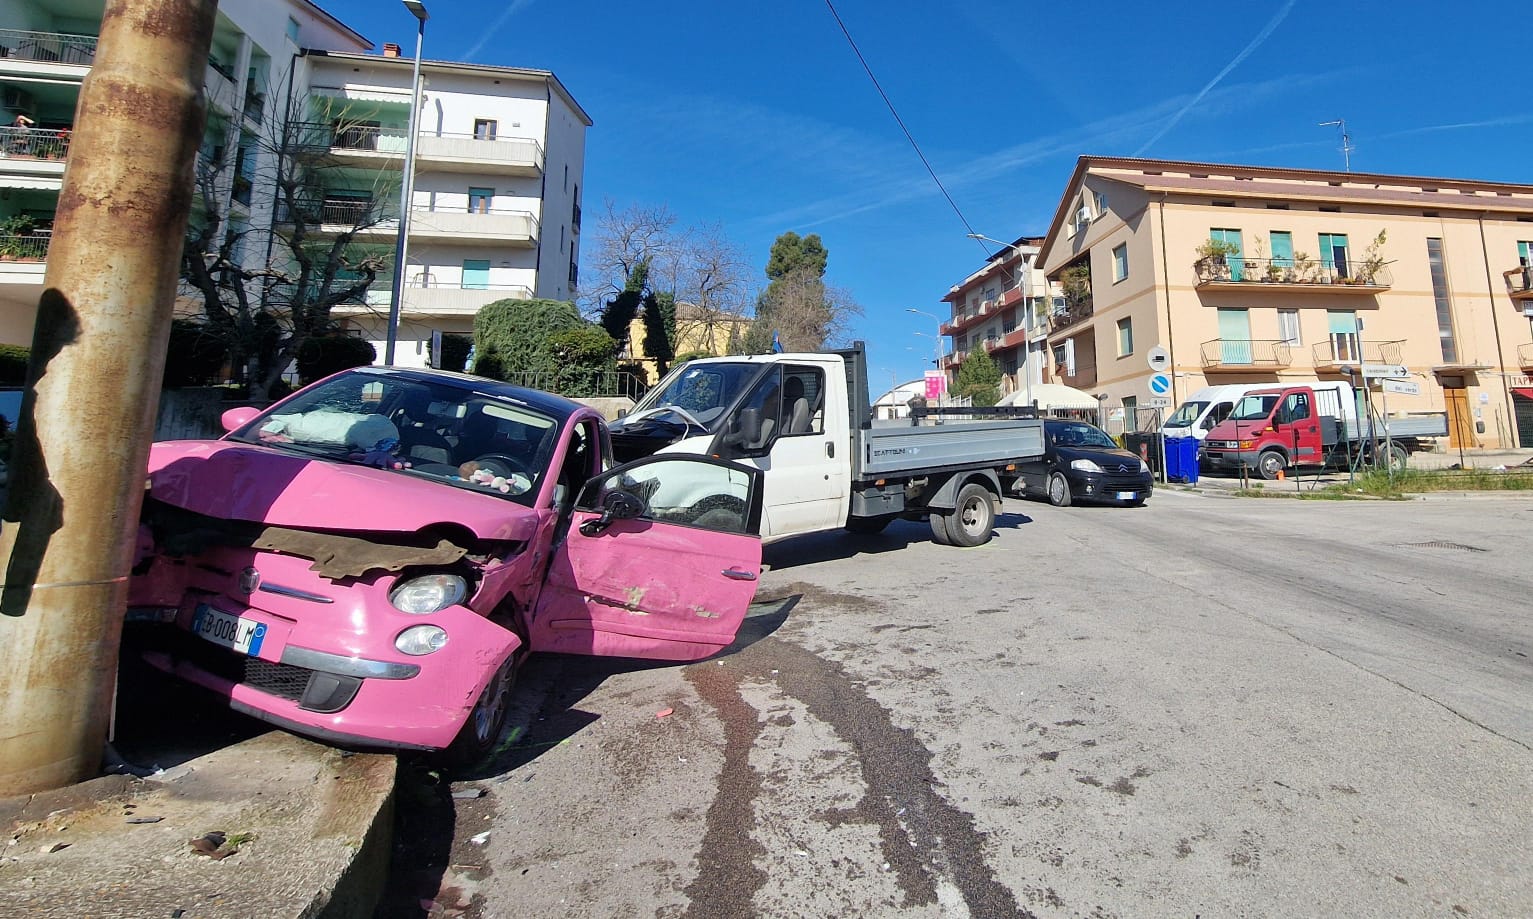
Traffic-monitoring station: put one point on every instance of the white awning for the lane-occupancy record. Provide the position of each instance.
(354, 93)
(1051, 396)
(44, 183)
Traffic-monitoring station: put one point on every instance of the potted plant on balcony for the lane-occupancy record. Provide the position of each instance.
(1213, 258)
(13, 233)
(1303, 270)
(1373, 261)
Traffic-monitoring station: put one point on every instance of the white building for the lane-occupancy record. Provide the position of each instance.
(499, 159)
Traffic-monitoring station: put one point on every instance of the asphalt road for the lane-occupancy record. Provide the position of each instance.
(1209, 706)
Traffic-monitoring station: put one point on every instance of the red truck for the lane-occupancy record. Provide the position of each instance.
(1317, 424)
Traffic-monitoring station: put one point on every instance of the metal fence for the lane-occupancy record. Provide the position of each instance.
(581, 383)
(55, 47)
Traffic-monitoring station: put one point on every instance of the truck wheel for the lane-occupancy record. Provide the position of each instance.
(1059, 490)
(487, 721)
(867, 526)
(1398, 456)
(939, 529)
(973, 517)
(1270, 463)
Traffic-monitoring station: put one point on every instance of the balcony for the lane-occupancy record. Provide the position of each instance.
(1237, 355)
(435, 299)
(1519, 284)
(489, 226)
(1341, 352)
(1071, 314)
(1525, 357)
(521, 156)
(255, 107)
(34, 151)
(48, 47)
(31, 248)
(1284, 274)
(363, 216)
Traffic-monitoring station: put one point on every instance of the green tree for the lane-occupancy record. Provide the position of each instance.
(798, 306)
(979, 378)
(660, 329)
(544, 344)
(619, 313)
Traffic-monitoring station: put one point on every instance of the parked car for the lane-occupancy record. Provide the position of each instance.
(1082, 463)
(369, 561)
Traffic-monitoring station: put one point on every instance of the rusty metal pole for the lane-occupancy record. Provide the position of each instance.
(82, 443)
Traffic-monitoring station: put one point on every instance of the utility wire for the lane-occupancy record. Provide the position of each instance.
(901, 122)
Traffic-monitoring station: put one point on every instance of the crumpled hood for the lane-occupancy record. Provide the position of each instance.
(236, 481)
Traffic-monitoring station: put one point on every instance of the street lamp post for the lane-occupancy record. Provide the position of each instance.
(406, 184)
(936, 341)
(1027, 295)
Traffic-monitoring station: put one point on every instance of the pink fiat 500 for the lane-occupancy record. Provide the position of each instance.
(369, 561)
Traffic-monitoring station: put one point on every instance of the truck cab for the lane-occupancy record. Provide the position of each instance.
(1269, 430)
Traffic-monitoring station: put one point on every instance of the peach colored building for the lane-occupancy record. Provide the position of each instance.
(1253, 274)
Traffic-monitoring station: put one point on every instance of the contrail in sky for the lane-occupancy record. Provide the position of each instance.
(1244, 53)
(500, 22)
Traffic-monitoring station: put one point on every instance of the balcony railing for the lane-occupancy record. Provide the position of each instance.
(467, 224)
(1246, 354)
(1071, 314)
(255, 106)
(1337, 277)
(25, 248)
(1525, 356)
(54, 47)
(444, 149)
(1341, 350)
(34, 143)
(1519, 282)
(339, 211)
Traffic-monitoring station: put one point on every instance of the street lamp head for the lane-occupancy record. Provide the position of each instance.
(418, 9)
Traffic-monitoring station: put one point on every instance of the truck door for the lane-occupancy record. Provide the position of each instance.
(1298, 428)
(802, 451)
(660, 562)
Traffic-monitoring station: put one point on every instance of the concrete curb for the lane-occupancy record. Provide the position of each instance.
(314, 827)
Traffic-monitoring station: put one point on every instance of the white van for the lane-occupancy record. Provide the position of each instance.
(1207, 407)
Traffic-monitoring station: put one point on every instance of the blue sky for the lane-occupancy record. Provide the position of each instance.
(759, 117)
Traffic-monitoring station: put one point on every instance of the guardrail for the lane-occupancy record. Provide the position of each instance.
(53, 47)
(24, 248)
(1343, 349)
(1239, 269)
(578, 383)
(1246, 353)
(35, 143)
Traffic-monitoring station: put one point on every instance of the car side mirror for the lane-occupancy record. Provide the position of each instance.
(236, 418)
(615, 505)
(750, 426)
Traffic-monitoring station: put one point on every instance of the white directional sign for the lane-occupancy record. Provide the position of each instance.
(1385, 370)
(1159, 358)
(1160, 385)
(1403, 387)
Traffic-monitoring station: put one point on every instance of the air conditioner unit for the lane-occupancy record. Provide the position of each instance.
(17, 100)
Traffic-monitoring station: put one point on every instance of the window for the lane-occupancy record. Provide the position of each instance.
(479, 200)
(1282, 249)
(476, 274)
(1130, 413)
(1333, 252)
(1101, 204)
(1342, 326)
(803, 401)
(1440, 295)
(1288, 327)
(1125, 337)
(1235, 261)
(292, 29)
(1524, 253)
(1295, 408)
(1234, 336)
(484, 128)
(1119, 262)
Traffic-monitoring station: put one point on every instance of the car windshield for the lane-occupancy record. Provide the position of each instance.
(1186, 415)
(1254, 408)
(423, 429)
(1080, 434)
(701, 391)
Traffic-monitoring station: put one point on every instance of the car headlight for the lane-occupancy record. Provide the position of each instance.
(428, 593)
(418, 640)
(1085, 465)
(1144, 466)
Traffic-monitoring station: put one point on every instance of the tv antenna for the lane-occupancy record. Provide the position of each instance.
(1346, 140)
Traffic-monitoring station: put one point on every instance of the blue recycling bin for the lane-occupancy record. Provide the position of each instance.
(1182, 459)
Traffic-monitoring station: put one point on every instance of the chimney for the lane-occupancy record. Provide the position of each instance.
(390, 49)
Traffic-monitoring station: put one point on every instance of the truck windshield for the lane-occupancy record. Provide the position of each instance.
(1255, 407)
(696, 393)
(1186, 415)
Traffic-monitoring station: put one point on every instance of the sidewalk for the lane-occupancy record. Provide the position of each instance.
(307, 830)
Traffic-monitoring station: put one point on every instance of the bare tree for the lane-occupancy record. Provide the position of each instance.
(804, 312)
(314, 251)
(625, 239)
(711, 290)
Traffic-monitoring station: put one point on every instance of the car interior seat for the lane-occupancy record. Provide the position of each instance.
(795, 407)
(418, 438)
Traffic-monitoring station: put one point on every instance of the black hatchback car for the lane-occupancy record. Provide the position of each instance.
(1081, 463)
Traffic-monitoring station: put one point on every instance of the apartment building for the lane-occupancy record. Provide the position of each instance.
(495, 208)
(499, 160)
(1003, 307)
(1256, 274)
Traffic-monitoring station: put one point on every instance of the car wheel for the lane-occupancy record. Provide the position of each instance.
(973, 517)
(939, 529)
(1059, 490)
(477, 739)
(1270, 463)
